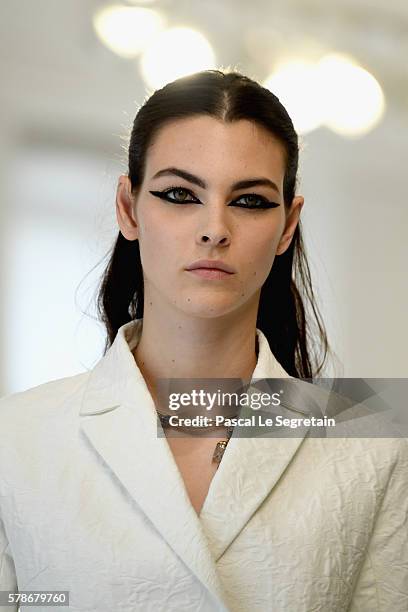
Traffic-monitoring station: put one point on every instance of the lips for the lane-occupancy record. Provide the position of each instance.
(210, 273)
(211, 264)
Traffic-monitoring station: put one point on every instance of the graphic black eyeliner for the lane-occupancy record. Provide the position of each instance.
(164, 196)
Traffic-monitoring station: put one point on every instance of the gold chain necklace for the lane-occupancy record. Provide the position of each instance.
(219, 447)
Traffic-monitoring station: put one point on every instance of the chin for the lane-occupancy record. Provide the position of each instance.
(210, 309)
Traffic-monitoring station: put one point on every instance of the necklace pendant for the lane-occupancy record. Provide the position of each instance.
(219, 451)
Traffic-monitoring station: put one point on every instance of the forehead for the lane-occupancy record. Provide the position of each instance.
(208, 144)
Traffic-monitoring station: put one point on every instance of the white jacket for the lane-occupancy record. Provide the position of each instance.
(92, 502)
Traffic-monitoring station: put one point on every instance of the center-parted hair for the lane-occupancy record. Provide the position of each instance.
(296, 334)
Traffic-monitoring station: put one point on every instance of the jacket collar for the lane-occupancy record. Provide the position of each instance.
(118, 417)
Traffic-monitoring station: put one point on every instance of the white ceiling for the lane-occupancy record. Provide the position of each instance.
(60, 81)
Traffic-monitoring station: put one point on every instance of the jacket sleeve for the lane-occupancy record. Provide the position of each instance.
(8, 579)
(382, 585)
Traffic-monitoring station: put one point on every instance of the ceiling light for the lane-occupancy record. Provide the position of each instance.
(295, 82)
(174, 53)
(354, 100)
(127, 30)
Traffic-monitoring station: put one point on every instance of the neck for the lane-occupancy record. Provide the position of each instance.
(174, 345)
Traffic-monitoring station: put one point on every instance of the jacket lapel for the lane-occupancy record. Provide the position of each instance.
(251, 466)
(118, 418)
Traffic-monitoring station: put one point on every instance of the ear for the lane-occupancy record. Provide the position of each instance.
(292, 220)
(125, 212)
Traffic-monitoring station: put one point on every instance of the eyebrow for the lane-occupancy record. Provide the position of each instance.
(244, 184)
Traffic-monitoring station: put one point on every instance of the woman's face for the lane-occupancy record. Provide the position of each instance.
(212, 220)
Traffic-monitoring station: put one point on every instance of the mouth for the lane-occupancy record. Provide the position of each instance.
(210, 273)
(211, 264)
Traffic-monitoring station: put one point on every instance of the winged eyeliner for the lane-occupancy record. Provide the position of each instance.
(266, 204)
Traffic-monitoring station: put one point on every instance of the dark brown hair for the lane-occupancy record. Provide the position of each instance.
(228, 96)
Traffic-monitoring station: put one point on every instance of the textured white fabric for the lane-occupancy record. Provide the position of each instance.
(91, 501)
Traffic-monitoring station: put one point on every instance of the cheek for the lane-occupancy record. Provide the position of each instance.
(263, 246)
(153, 255)
(164, 230)
(159, 245)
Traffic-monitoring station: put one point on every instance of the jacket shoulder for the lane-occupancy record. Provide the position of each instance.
(41, 398)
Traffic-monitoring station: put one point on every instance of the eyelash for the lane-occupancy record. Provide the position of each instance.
(266, 204)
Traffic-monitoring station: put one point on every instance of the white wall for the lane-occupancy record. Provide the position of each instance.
(357, 218)
(58, 222)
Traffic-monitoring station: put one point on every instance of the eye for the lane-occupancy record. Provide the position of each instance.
(164, 195)
(252, 198)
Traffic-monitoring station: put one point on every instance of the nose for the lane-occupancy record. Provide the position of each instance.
(214, 231)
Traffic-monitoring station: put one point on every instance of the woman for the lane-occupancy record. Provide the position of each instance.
(93, 501)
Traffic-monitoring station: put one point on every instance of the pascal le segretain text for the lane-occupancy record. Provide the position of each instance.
(255, 420)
